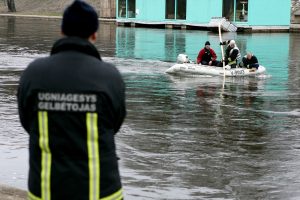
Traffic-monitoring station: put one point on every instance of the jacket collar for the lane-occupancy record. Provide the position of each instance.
(75, 44)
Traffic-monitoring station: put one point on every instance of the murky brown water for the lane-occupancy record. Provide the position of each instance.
(184, 137)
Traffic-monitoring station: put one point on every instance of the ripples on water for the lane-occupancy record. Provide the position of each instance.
(205, 137)
(184, 137)
(13, 140)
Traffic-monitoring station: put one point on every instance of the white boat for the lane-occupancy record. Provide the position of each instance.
(185, 67)
(195, 69)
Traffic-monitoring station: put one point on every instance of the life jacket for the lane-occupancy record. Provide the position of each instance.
(238, 57)
(234, 58)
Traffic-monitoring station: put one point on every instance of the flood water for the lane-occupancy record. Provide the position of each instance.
(184, 137)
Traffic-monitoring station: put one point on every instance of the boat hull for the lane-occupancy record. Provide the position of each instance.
(195, 69)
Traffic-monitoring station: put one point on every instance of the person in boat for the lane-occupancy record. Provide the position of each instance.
(207, 56)
(232, 53)
(249, 61)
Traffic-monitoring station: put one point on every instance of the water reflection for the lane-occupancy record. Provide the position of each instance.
(184, 137)
(294, 75)
(216, 141)
(174, 43)
(13, 140)
(19, 35)
(11, 24)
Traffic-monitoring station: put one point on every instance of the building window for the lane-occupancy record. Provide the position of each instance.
(228, 9)
(176, 9)
(235, 10)
(241, 10)
(170, 9)
(126, 8)
(181, 9)
(122, 8)
(131, 9)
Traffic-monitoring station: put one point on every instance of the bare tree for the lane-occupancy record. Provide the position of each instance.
(11, 5)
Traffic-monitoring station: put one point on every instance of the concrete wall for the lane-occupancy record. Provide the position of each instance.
(107, 8)
(296, 17)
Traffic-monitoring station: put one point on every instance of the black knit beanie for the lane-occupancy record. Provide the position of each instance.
(79, 19)
(207, 43)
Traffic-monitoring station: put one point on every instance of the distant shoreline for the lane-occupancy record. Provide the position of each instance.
(292, 27)
(48, 17)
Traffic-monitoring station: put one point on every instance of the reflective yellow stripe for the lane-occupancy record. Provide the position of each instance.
(93, 156)
(232, 62)
(46, 155)
(115, 196)
(31, 196)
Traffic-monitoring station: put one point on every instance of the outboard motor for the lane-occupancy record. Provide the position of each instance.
(182, 58)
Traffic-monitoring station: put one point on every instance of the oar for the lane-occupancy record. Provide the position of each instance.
(222, 51)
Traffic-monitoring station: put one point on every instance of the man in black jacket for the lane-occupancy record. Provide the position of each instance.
(72, 104)
(249, 61)
(232, 53)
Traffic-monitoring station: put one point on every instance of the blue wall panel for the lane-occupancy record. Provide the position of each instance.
(201, 11)
(150, 10)
(269, 12)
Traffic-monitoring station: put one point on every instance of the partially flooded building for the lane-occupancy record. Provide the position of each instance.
(243, 13)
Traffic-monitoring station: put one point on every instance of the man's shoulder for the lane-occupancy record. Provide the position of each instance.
(104, 64)
(202, 50)
(37, 63)
(212, 50)
(103, 68)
